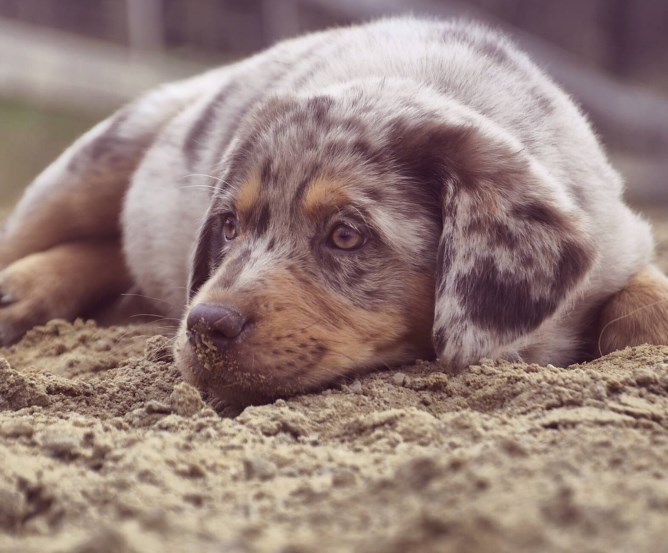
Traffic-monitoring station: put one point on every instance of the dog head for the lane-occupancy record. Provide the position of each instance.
(363, 228)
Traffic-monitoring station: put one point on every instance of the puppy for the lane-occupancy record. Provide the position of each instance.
(349, 200)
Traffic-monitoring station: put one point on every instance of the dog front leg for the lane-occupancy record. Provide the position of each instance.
(62, 282)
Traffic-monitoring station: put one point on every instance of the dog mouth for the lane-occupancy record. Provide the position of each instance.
(258, 367)
(253, 349)
(233, 378)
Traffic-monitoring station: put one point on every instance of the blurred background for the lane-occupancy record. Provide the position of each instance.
(65, 64)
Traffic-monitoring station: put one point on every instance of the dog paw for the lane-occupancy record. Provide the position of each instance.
(21, 306)
(12, 327)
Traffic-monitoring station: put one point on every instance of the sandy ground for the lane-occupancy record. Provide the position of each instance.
(103, 449)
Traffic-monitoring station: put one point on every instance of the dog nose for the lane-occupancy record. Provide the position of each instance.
(219, 321)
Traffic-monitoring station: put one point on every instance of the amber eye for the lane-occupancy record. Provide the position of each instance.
(344, 237)
(230, 227)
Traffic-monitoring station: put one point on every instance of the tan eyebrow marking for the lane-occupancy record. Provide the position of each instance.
(324, 194)
(248, 194)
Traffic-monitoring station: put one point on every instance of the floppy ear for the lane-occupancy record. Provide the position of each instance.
(512, 248)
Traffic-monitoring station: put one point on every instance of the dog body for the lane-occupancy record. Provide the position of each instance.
(347, 200)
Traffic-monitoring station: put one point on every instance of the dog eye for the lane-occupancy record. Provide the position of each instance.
(347, 238)
(230, 227)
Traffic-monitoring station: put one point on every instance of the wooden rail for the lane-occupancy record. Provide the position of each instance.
(52, 68)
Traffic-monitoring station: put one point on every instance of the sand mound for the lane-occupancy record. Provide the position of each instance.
(103, 449)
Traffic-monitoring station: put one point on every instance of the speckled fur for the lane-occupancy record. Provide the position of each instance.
(495, 222)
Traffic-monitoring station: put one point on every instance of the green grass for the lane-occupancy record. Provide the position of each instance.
(30, 138)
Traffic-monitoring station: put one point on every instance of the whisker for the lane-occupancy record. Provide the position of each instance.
(203, 186)
(360, 214)
(145, 333)
(130, 294)
(157, 317)
(205, 175)
(605, 327)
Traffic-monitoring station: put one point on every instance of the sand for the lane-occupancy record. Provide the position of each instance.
(103, 449)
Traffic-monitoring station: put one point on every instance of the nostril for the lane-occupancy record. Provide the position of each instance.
(217, 320)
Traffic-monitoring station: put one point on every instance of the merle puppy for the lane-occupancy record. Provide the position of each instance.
(348, 200)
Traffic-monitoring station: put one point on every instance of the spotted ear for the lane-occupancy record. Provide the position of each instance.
(512, 250)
